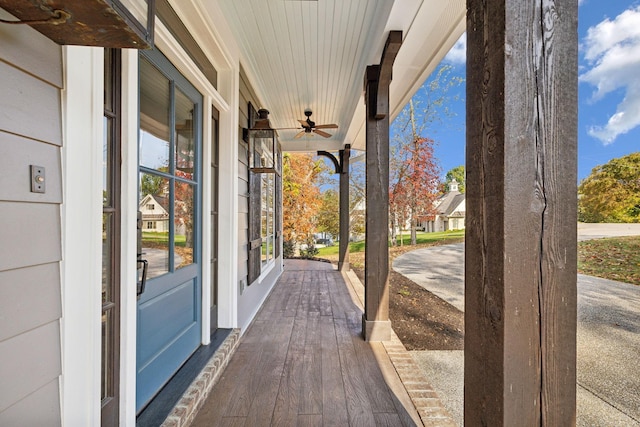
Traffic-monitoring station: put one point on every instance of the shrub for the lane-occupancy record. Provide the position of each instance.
(288, 248)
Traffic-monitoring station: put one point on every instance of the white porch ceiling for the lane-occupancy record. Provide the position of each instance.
(312, 54)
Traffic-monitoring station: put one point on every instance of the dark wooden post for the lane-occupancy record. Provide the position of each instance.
(375, 323)
(342, 167)
(343, 257)
(520, 269)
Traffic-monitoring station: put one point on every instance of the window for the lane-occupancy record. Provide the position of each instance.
(168, 157)
(267, 217)
(111, 209)
(263, 222)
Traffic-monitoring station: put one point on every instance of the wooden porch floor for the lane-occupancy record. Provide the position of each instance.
(303, 362)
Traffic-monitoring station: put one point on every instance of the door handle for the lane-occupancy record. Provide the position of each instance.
(143, 280)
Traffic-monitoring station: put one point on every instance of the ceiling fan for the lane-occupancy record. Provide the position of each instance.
(309, 127)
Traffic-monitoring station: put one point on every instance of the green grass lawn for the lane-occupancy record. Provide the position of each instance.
(160, 237)
(422, 238)
(614, 258)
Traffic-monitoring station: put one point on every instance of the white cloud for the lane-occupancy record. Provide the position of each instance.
(612, 51)
(458, 53)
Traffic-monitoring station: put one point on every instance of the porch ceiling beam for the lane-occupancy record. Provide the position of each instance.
(380, 98)
(520, 244)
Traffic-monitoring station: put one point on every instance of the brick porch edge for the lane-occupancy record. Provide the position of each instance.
(187, 407)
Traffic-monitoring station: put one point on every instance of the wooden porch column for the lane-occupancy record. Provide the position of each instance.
(520, 268)
(343, 257)
(341, 165)
(375, 323)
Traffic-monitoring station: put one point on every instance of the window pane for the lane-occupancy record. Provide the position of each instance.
(270, 198)
(108, 81)
(184, 222)
(263, 206)
(107, 230)
(106, 389)
(185, 148)
(107, 138)
(154, 205)
(267, 219)
(264, 250)
(155, 101)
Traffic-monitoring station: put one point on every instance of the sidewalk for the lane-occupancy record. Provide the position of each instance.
(598, 231)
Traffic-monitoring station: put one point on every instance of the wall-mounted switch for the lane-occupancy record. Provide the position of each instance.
(37, 179)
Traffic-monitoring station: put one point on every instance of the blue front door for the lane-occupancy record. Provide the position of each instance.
(170, 141)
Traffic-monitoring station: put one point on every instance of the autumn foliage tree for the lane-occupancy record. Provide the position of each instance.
(329, 214)
(415, 184)
(300, 197)
(612, 192)
(413, 178)
(414, 171)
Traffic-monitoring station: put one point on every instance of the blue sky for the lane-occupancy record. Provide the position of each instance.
(608, 91)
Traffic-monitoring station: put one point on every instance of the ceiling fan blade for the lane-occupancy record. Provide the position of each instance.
(299, 135)
(304, 123)
(331, 126)
(322, 133)
(287, 128)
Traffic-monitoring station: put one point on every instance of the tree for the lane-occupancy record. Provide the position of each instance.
(300, 197)
(329, 214)
(357, 193)
(184, 207)
(457, 173)
(413, 169)
(413, 178)
(151, 184)
(612, 192)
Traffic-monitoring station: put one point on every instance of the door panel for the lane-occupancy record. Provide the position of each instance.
(169, 309)
(165, 318)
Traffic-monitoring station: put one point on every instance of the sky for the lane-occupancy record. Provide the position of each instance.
(608, 88)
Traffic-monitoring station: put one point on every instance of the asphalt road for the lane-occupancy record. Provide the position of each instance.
(608, 334)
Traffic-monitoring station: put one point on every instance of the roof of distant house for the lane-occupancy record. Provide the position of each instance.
(448, 202)
(162, 201)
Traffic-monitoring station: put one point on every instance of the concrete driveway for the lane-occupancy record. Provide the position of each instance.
(608, 334)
